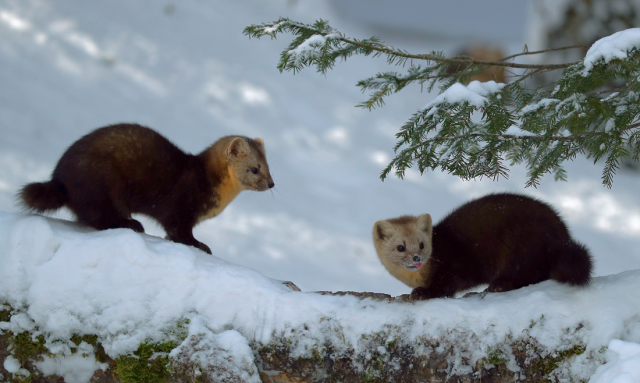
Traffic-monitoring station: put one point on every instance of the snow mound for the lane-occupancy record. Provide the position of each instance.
(76, 368)
(611, 47)
(226, 355)
(623, 366)
(128, 288)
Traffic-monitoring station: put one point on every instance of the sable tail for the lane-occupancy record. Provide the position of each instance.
(574, 265)
(43, 196)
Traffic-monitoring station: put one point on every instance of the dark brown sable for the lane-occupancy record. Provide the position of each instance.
(121, 169)
(505, 240)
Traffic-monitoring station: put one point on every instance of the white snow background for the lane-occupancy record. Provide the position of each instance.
(185, 69)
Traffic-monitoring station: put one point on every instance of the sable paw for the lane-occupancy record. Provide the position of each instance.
(419, 294)
(135, 225)
(202, 247)
(481, 294)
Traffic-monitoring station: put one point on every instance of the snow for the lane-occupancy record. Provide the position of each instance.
(309, 47)
(615, 46)
(76, 368)
(129, 288)
(11, 364)
(485, 88)
(475, 94)
(272, 28)
(311, 43)
(516, 131)
(538, 104)
(226, 353)
(623, 365)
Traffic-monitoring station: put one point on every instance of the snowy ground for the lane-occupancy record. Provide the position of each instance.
(187, 71)
(127, 288)
(623, 365)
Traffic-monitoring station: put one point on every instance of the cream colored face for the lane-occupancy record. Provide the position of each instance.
(249, 164)
(405, 245)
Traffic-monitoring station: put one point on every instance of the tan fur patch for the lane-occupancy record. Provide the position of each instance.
(228, 190)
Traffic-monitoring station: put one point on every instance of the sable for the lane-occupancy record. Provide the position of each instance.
(121, 169)
(505, 240)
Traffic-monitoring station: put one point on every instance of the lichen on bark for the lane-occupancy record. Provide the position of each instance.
(384, 356)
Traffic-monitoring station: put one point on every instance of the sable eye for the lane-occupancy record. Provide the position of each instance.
(254, 170)
(421, 245)
(400, 248)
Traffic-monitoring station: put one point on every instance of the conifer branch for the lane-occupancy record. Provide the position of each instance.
(468, 129)
(541, 51)
(484, 136)
(468, 61)
(530, 74)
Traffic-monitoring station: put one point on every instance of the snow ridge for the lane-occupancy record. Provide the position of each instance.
(128, 288)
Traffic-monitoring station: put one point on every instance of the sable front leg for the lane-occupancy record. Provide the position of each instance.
(200, 245)
(423, 293)
(185, 235)
(438, 288)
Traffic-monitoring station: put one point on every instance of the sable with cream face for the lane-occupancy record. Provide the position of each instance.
(505, 240)
(404, 246)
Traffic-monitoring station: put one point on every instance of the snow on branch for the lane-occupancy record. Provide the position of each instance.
(615, 46)
(474, 94)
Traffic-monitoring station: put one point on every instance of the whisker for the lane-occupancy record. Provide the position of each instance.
(273, 196)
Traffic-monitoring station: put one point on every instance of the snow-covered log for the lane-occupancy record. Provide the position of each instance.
(115, 305)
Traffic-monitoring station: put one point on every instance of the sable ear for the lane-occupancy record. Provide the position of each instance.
(424, 224)
(260, 141)
(382, 230)
(238, 147)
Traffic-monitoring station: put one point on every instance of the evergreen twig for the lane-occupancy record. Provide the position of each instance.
(580, 115)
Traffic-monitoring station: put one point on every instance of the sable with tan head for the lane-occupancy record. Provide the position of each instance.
(122, 169)
(404, 246)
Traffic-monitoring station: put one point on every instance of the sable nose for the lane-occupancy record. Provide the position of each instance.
(271, 184)
(417, 258)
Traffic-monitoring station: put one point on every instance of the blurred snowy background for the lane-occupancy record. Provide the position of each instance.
(185, 69)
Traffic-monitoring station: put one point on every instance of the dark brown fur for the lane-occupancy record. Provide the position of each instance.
(505, 240)
(122, 169)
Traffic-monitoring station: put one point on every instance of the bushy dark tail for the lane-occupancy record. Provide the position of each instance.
(43, 196)
(574, 265)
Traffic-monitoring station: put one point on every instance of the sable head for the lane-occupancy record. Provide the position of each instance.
(404, 242)
(247, 159)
